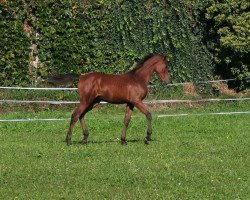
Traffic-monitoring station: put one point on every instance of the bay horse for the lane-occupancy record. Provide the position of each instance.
(129, 88)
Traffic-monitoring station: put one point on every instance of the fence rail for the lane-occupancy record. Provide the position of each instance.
(146, 102)
(158, 116)
(50, 88)
(36, 88)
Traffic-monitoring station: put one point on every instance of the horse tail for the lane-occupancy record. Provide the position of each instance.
(63, 79)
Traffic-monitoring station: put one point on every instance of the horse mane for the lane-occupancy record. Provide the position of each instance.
(141, 62)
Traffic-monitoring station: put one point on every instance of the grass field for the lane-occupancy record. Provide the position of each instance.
(190, 157)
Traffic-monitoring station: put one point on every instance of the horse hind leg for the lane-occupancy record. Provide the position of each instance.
(74, 118)
(129, 110)
(85, 130)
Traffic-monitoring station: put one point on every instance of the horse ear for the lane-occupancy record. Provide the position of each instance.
(165, 59)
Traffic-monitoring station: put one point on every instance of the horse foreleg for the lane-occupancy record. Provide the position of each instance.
(143, 108)
(74, 118)
(83, 123)
(129, 110)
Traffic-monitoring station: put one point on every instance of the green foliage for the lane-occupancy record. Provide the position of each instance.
(14, 44)
(231, 24)
(111, 36)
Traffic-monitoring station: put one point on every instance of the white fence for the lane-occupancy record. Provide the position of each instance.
(147, 102)
(158, 116)
(172, 84)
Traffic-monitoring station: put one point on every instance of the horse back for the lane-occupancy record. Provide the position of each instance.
(114, 88)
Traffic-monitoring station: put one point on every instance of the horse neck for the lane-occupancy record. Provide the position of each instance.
(145, 72)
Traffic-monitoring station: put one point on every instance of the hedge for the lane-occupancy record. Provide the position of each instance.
(108, 36)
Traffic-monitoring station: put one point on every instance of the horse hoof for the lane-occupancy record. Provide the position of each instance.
(84, 141)
(124, 142)
(146, 141)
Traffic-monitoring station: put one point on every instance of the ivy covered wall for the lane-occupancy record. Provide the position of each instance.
(14, 45)
(59, 36)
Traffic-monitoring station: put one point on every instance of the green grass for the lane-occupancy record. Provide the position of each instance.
(192, 157)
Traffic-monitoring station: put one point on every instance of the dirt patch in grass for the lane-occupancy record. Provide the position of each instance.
(189, 89)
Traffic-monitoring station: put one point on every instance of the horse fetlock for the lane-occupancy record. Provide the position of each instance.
(149, 131)
(148, 137)
(68, 141)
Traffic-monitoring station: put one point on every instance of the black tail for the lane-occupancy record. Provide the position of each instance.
(63, 79)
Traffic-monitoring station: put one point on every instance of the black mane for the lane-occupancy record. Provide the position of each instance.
(141, 62)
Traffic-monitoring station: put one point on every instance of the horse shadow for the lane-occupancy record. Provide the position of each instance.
(108, 141)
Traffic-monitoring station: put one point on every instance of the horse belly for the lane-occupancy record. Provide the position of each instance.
(115, 92)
